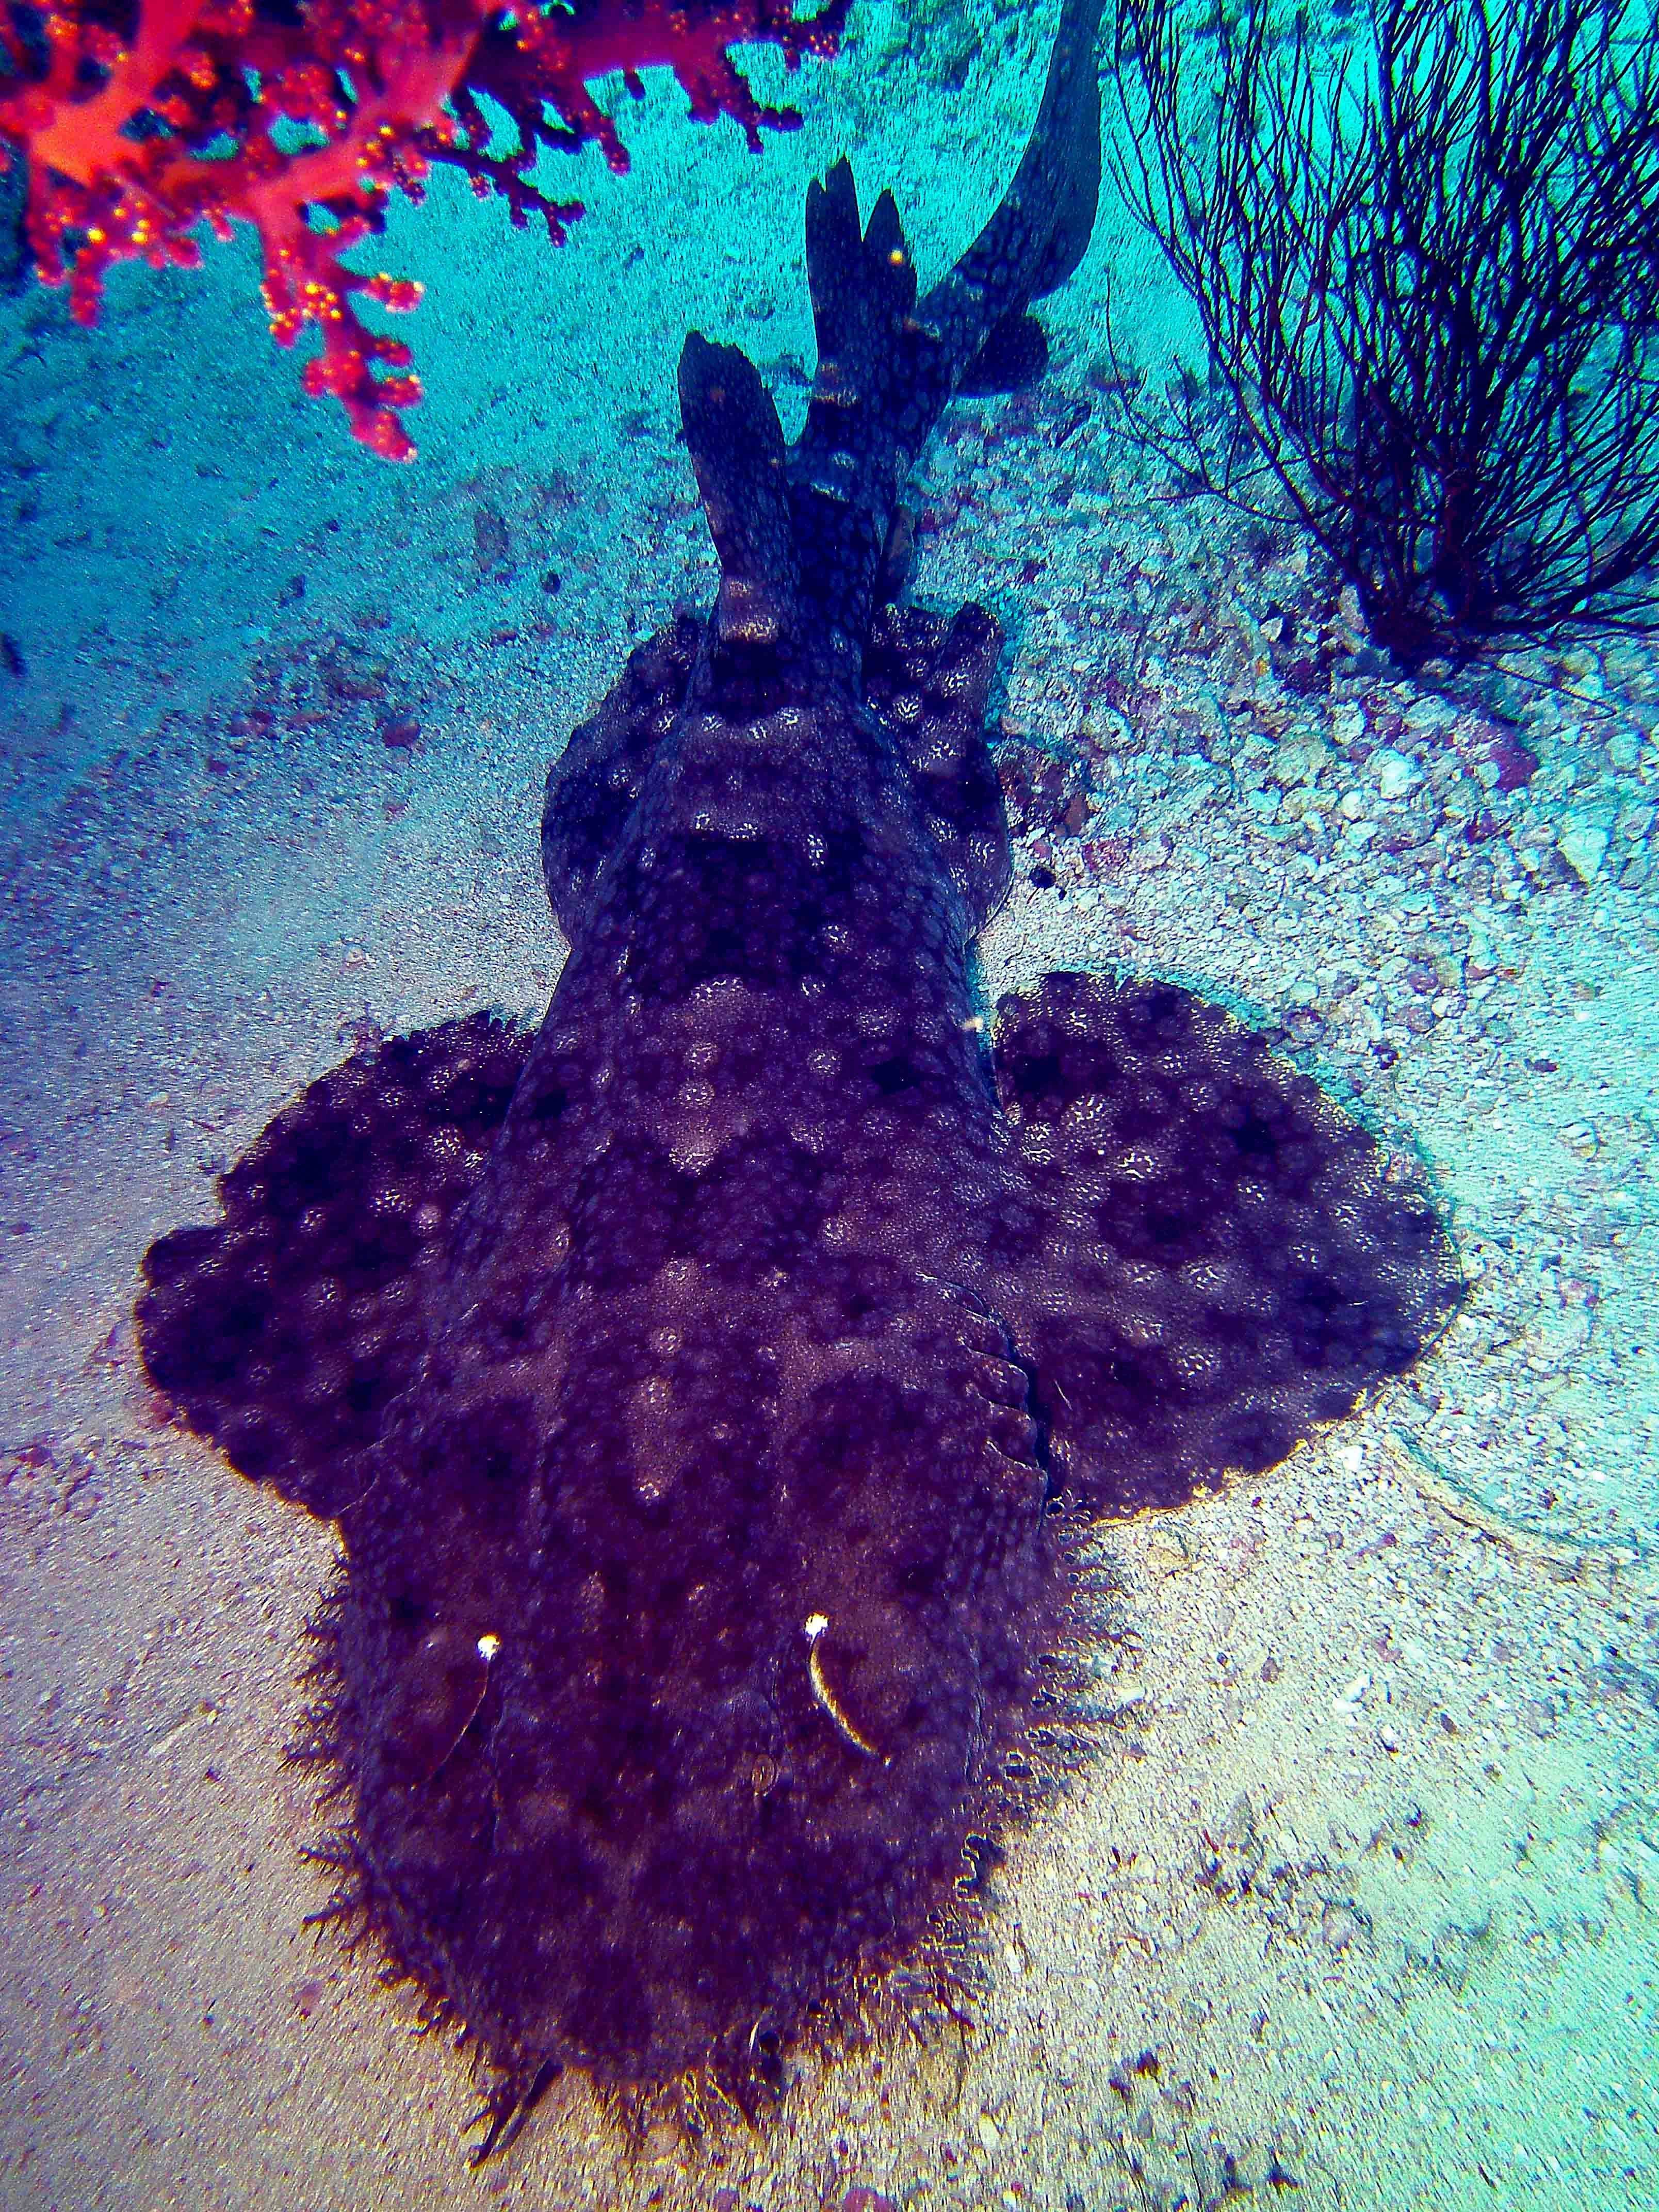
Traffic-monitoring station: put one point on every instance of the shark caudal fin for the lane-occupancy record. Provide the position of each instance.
(800, 534)
(888, 363)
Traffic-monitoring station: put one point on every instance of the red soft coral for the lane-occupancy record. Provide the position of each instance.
(144, 118)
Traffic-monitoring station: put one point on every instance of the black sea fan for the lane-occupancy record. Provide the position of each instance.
(1427, 272)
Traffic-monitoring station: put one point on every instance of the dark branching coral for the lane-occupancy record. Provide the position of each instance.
(1426, 276)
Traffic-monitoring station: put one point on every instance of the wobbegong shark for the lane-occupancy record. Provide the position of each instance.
(709, 1388)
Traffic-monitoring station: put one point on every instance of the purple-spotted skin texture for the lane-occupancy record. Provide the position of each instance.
(691, 1385)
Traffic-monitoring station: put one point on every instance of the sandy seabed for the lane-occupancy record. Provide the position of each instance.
(1357, 1885)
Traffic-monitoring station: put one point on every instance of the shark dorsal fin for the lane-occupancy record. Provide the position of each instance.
(736, 443)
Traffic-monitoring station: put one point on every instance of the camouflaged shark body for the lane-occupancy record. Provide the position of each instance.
(694, 1385)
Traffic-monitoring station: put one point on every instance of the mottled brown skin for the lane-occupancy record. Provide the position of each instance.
(692, 1385)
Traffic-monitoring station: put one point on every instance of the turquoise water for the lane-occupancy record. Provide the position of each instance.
(1368, 1852)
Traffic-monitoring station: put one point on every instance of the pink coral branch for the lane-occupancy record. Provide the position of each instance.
(195, 110)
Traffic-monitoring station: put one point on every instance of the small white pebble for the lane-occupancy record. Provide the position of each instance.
(1395, 773)
(1583, 842)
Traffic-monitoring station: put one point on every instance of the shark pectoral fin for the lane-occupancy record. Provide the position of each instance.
(591, 788)
(1015, 354)
(1219, 1258)
(929, 679)
(283, 1332)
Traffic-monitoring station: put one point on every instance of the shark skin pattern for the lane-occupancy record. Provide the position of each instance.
(704, 1386)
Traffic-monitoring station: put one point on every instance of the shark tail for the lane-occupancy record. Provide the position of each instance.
(801, 533)
(888, 364)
